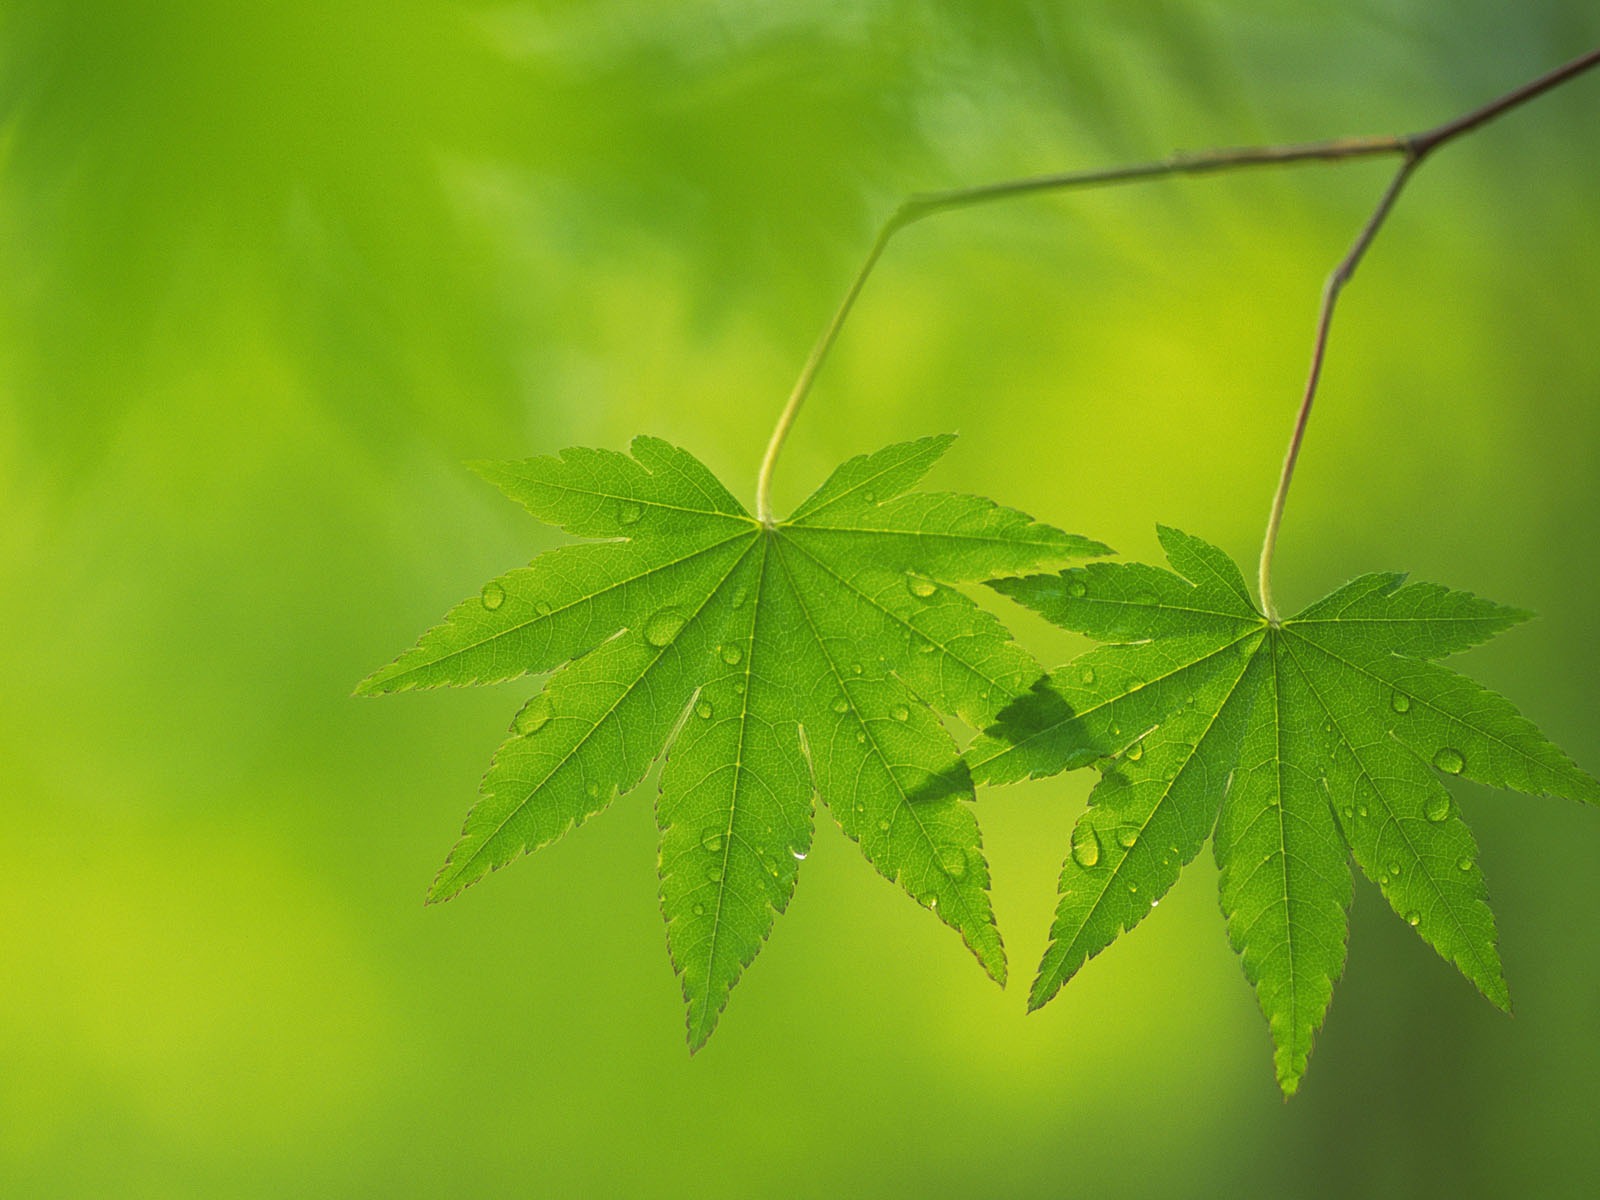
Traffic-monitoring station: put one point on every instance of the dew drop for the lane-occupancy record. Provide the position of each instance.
(663, 626)
(1134, 752)
(928, 900)
(703, 709)
(841, 705)
(1361, 810)
(1400, 702)
(492, 596)
(1155, 904)
(628, 513)
(1349, 813)
(920, 586)
(1437, 807)
(861, 736)
(1394, 869)
(1085, 846)
(1413, 918)
(711, 840)
(799, 853)
(953, 861)
(699, 910)
(883, 826)
(1450, 761)
(855, 668)
(1464, 863)
(542, 609)
(731, 653)
(714, 873)
(1076, 588)
(740, 596)
(535, 714)
(1086, 676)
(870, 497)
(901, 712)
(1127, 836)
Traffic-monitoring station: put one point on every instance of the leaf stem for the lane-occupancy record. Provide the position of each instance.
(926, 204)
(1330, 297)
(1414, 149)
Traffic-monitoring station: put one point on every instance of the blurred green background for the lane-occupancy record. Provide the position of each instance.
(271, 270)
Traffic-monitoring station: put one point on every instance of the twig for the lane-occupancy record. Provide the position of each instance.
(1412, 149)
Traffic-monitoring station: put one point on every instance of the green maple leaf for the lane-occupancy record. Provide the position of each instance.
(772, 663)
(1301, 745)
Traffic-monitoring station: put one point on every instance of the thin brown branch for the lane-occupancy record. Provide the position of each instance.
(1412, 148)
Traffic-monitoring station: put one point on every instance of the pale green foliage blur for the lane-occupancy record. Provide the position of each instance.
(272, 270)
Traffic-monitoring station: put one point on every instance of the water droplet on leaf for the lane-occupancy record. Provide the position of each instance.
(711, 840)
(1400, 702)
(663, 626)
(492, 596)
(953, 861)
(731, 654)
(1437, 807)
(703, 709)
(1450, 761)
(628, 513)
(920, 585)
(1127, 835)
(535, 715)
(1085, 846)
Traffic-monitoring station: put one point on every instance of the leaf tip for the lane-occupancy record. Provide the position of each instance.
(446, 885)
(372, 685)
(1042, 992)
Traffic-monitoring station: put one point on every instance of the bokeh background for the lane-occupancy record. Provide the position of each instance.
(272, 270)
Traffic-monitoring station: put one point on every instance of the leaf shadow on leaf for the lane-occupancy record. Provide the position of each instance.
(1044, 713)
(954, 782)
